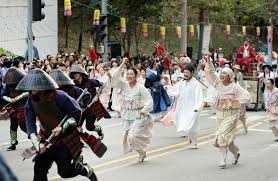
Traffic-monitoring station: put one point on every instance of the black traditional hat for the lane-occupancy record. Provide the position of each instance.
(61, 78)
(78, 69)
(13, 76)
(37, 80)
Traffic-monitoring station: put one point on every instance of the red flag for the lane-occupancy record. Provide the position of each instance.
(93, 54)
(167, 63)
(159, 50)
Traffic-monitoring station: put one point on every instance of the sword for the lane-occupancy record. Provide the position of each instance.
(14, 100)
(203, 84)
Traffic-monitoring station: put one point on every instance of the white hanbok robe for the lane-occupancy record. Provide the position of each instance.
(189, 98)
(136, 100)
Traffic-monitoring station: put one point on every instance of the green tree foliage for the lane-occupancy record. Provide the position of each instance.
(165, 12)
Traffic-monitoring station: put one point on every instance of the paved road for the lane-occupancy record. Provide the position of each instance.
(169, 157)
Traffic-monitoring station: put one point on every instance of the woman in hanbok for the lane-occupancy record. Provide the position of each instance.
(137, 104)
(229, 97)
(116, 92)
(272, 107)
(161, 100)
(104, 77)
(142, 77)
(263, 76)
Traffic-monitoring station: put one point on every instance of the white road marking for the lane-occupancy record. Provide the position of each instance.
(260, 130)
(112, 125)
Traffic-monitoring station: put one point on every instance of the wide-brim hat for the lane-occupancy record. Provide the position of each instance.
(37, 80)
(61, 78)
(78, 69)
(13, 76)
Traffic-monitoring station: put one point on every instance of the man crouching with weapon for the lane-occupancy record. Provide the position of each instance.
(58, 140)
(15, 104)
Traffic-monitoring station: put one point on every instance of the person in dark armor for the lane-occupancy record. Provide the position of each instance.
(16, 100)
(95, 110)
(58, 115)
(67, 85)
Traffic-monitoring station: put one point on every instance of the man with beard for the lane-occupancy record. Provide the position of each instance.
(58, 116)
(95, 110)
(188, 106)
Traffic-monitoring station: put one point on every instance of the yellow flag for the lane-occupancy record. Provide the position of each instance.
(258, 31)
(228, 29)
(191, 30)
(162, 31)
(67, 8)
(123, 25)
(67, 4)
(178, 31)
(145, 29)
(96, 17)
(243, 30)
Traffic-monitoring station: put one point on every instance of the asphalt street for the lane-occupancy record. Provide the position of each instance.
(169, 155)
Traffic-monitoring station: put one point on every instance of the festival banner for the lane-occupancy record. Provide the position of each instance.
(145, 29)
(162, 31)
(96, 17)
(258, 31)
(123, 25)
(67, 6)
(178, 31)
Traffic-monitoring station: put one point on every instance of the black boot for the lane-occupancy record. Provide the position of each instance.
(84, 169)
(12, 147)
(91, 174)
(98, 129)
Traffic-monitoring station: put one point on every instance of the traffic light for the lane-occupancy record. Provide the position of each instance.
(101, 29)
(38, 13)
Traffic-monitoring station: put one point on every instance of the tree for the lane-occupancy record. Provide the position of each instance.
(135, 11)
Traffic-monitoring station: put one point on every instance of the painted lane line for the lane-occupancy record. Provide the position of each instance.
(135, 156)
(112, 125)
(166, 149)
(260, 130)
(163, 154)
(148, 158)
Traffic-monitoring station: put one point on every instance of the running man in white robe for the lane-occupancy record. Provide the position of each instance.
(188, 106)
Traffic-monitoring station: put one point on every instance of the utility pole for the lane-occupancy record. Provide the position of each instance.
(270, 30)
(104, 12)
(29, 31)
(183, 41)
